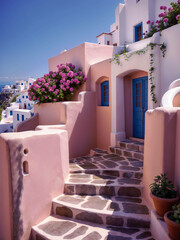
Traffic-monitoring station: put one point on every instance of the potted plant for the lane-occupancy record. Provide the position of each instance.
(163, 194)
(172, 219)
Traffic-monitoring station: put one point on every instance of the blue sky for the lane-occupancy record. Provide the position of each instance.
(34, 30)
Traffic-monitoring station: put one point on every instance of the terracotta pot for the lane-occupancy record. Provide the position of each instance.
(163, 205)
(173, 227)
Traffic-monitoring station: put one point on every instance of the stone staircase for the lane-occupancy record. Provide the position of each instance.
(102, 198)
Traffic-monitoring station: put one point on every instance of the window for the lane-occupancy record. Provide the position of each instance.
(22, 96)
(29, 104)
(17, 117)
(11, 113)
(117, 27)
(32, 114)
(21, 83)
(22, 118)
(108, 42)
(30, 84)
(137, 1)
(105, 93)
(138, 32)
(26, 96)
(115, 44)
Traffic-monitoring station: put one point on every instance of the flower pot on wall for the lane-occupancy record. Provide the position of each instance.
(163, 205)
(173, 227)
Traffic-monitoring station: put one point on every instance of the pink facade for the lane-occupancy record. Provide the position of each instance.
(39, 163)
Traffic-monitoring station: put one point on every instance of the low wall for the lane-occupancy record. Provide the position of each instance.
(51, 113)
(29, 124)
(162, 141)
(80, 124)
(37, 176)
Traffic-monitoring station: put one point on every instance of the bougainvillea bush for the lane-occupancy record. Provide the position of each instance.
(167, 18)
(57, 86)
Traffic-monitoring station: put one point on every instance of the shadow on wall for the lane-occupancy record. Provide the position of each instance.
(16, 157)
(82, 138)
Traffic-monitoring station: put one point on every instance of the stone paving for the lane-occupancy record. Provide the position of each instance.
(101, 200)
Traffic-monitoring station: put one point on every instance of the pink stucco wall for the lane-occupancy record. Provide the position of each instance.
(84, 56)
(5, 193)
(176, 101)
(51, 113)
(161, 146)
(99, 73)
(80, 123)
(177, 153)
(46, 154)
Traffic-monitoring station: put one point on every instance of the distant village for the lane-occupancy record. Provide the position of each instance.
(19, 107)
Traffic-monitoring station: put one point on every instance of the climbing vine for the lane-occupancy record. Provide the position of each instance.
(151, 47)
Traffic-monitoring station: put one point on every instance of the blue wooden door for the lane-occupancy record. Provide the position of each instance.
(140, 105)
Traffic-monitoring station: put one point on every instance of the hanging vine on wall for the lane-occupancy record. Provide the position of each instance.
(151, 47)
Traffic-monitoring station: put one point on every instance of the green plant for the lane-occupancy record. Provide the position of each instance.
(162, 187)
(175, 215)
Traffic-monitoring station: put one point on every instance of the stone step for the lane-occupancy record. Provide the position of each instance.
(58, 228)
(112, 189)
(110, 162)
(114, 211)
(112, 172)
(101, 179)
(127, 153)
(132, 145)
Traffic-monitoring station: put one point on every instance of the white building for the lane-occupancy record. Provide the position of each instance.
(20, 115)
(8, 89)
(20, 110)
(130, 21)
(24, 102)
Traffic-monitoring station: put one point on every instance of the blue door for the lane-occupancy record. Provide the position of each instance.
(140, 105)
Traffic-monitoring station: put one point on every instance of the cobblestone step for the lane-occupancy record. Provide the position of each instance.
(102, 199)
(114, 211)
(128, 190)
(132, 145)
(55, 228)
(127, 153)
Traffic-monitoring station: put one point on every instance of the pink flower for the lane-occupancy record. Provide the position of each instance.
(50, 72)
(165, 20)
(178, 17)
(161, 7)
(165, 8)
(71, 89)
(46, 84)
(179, 2)
(42, 89)
(75, 74)
(55, 100)
(85, 78)
(170, 9)
(70, 74)
(148, 22)
(54, 86)
(80, 73)
(152, 23)
(57, 66)
(53, 75)
(46, 97)
(30, 99)
(50, 89)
